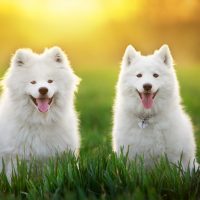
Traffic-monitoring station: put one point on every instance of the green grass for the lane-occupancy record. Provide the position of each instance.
(98, 173)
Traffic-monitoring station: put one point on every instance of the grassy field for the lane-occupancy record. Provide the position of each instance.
(98, 173)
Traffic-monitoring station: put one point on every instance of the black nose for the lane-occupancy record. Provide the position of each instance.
(43, 90)
(147, 87)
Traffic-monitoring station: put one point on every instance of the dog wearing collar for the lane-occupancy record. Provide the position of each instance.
(149, 120)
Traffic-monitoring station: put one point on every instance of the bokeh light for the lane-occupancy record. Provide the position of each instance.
(96, 32)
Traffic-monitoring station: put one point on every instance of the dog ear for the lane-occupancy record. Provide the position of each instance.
(57, 54)
(21, 57)
(165, 55)
(129, 56)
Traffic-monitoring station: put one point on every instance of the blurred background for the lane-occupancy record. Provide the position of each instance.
(95, 32)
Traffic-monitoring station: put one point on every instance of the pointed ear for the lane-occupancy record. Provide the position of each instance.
(57, 54)
(129, 56)
(165, 55)
(21, 57)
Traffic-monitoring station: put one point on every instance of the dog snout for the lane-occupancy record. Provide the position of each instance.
(147, 87)
(43, 90)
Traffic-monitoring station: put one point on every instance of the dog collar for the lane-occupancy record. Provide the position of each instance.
(144, 121)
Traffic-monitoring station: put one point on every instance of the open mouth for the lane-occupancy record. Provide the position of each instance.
(147, 98)
(42, 103)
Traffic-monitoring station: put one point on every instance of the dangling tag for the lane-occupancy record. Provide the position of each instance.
(143, 124)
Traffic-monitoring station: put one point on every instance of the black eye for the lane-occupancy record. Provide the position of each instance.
(139, 75)
(50, 81)
(155, 75)
(33, 82)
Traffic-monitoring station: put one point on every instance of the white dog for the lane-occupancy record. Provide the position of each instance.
(37, 114)
(148, 118)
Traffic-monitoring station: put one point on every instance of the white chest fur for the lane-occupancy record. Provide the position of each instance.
(149, 141)
(37, 141)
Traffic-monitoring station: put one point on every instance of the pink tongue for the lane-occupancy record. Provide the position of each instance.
(147, 100)
(43, 104)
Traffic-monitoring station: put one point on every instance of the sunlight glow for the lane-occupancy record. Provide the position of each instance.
(90, 25)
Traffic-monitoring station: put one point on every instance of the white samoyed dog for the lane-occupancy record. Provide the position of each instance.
(37, 114)
(149, 120)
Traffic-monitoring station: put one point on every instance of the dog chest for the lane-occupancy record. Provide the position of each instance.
(39, 142)
(148, 141)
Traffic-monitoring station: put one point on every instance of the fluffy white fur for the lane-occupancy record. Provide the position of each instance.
(169, 131)
(24, 131)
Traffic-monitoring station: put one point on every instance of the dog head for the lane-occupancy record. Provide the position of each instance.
(41, 82)
(147, 80)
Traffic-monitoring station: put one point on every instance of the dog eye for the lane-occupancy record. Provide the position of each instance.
(33, 82)
(50, 81)
(155, 75)
(139, 75)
